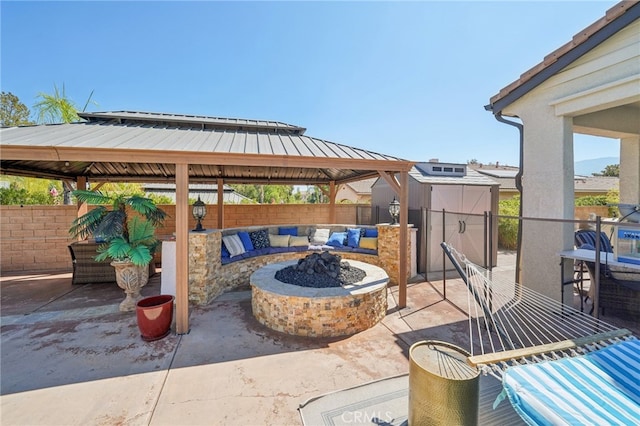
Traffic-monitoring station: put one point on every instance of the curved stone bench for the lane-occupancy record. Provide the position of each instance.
(209, 277)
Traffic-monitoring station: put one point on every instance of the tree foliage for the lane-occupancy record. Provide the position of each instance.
(30, 191)
(591, 200)
(507, 227)
(610, 170)
(269, 194)
(56, 107)
(12, 111)
(14, 195)
(315, 195)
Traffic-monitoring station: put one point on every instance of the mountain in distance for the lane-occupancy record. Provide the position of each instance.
(594, 165)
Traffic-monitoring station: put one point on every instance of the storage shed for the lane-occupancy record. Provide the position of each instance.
(466, 196)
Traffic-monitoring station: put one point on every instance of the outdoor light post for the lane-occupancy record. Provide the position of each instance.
(394, 210)
(199, 212)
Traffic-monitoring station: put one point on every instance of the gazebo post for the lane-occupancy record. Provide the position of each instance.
(402, 190)
(220, 203)
(182, 248)
(404, 219)
(81, 183)
(332, 201)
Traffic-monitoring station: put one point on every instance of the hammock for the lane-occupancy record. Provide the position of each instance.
(557, 365)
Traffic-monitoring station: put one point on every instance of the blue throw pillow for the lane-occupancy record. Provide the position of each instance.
(371, 233)
(353, 237)
(293, 231)
(337, 239)
(260, 239)
(225, 252)
(246, 240)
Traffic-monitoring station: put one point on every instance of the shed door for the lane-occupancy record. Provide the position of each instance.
(448, 198)
(465, 230)
(476, 200)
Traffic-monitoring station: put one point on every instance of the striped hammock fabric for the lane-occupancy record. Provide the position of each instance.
(599, 388)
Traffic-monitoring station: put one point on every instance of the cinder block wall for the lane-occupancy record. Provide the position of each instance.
(35, 238)
(582, 212)
(241, 215)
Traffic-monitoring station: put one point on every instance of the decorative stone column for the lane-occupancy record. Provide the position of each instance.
(389, 251)
(204, 261)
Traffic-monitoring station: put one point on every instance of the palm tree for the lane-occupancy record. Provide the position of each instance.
(58, 108)
(131, 239)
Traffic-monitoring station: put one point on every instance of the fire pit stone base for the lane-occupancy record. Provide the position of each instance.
(319, 312)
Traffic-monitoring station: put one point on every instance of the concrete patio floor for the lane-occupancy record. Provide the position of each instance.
(68, 356)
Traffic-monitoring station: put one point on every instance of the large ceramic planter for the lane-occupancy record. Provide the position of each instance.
(131, 279)
(154, 315)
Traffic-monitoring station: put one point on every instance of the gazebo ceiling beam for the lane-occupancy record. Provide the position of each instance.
(363, 176)
(391, 180)
(194, 179)
(227, 159)
(42, 174)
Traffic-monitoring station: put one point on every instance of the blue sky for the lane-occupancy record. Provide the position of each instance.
(408, 79)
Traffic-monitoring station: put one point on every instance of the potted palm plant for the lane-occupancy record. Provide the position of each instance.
(128, 242)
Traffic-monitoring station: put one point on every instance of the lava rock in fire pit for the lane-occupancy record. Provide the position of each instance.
(320, 270)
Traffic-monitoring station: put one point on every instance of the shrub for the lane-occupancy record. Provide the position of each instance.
(592, 200)
(613, 198)
(21, 196)
(508, 228)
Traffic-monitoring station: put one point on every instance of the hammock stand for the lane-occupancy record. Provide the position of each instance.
(557, 365)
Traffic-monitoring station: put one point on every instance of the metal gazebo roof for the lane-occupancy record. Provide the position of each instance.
(144, 147)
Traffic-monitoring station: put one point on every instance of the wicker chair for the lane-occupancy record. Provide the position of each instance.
(86, 270)
(619, 291)
(619, 288)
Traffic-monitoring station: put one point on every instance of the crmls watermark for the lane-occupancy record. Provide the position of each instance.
(367, 417)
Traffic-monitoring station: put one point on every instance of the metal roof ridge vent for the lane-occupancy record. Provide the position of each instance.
(193, 121)
(435, 168)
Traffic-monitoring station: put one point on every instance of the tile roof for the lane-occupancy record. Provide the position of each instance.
(628, 11)
(596, 183)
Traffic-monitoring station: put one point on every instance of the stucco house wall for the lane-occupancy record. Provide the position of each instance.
(582, 98)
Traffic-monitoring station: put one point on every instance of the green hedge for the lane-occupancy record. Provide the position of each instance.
(508, 228)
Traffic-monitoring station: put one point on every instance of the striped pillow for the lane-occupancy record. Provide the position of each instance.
(233, 244)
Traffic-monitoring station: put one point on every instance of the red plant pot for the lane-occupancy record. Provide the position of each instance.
(155, 314)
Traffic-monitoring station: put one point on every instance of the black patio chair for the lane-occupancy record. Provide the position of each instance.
(588, 237)
(619, 290)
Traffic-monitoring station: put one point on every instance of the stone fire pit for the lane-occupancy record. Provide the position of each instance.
(319, 312)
